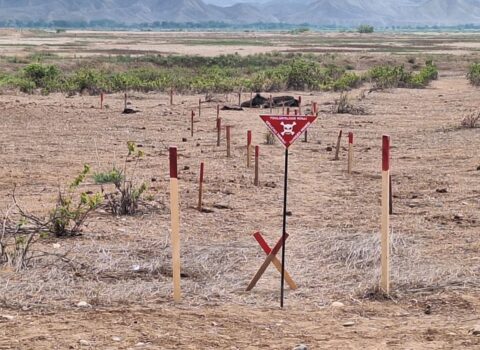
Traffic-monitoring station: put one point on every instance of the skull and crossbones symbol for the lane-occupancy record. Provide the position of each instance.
(288, 129)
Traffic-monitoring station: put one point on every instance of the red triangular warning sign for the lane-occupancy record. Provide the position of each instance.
(288, 128)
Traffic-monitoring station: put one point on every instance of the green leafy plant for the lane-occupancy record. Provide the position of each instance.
(473, 74)
(70, 213)
(127, 196)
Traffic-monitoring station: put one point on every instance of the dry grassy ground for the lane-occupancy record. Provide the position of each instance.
(121, 266)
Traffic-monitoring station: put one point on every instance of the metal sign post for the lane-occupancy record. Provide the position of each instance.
(288, 129)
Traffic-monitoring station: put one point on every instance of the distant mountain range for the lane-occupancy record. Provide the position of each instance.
(316, 12)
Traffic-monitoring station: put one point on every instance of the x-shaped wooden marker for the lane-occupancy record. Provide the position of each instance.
(271, 258)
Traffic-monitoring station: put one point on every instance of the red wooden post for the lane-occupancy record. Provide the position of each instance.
(296, 112)
(288, 110)
(200, 186)
(337, 150)
(249, 147)
(350, 152)
(228, 127)
(219, 131)
(257, 155)
(175, 218)
(191, 127)
(385, 241)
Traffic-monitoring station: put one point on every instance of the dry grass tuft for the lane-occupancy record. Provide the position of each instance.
(471, 121)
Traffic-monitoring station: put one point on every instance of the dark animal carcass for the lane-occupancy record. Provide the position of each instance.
(279, 101)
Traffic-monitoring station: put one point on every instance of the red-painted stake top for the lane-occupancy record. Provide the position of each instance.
(386, 153)
(249, 137)
(350, 137)
(288, 128)
(173, 163)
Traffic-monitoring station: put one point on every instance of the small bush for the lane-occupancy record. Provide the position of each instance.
(269, 138)
(471, 121)
(344, 106)
(397, 77)
(69, 214)
(127, 196)
(473, 74)
(365, 28)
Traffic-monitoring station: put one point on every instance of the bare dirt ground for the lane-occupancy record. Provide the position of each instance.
(121, 266)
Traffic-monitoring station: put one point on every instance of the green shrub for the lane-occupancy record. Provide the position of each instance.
(473, 74)
(365, 28)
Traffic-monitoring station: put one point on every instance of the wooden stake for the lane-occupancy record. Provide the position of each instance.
(125, 103)
(218, 111)
(390, 201)
(175, 216)
(200, 187)
(199, 107)
(101, 100)
(288, 110)
(191, 126)
(283, 108)
(315, 111)
(271, 104)
(249, 148)
(300, 105)
(219, 131)
(239, 99)
(337, 149)
(171, 96)
(296, 112)
(251, 99)
(228, 127)
(350, 152)
(385, 258)
(256, 182)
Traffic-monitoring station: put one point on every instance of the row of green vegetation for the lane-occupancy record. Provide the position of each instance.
(229, 73)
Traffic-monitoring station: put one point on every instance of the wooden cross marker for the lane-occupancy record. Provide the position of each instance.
(278, 265)
(265, 264)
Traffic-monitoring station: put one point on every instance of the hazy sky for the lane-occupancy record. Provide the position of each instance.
(231, 2)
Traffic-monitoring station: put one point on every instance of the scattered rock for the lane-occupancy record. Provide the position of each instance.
(476, 330)
(140, 344)
(337, 304)
(442, 190)
(289, 213)
(83, 304)
(198, 145)
(428, 310)
(329, 149)
(221, 206)
(478, 168)
(153, 179)
(270, 184)
(84, 342)
(458, 217)
(184, 139)
(56, 246)
(349, 324)
(232, 108)
(7, 317)
(115, 338)
(130, 111)
(186, 167)
(301, 347)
